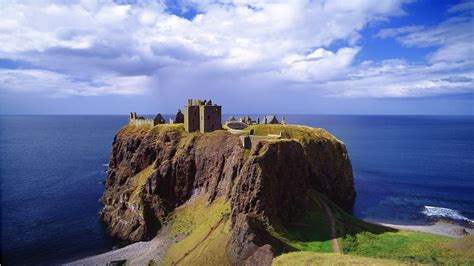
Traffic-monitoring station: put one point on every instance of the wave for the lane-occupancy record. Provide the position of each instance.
(432, 211)
(105, 164)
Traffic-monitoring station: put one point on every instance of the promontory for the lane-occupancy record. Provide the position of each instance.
(219, 201)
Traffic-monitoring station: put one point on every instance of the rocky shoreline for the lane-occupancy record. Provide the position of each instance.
(438, 228)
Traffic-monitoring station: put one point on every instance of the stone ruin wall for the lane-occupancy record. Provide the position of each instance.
(210, 118)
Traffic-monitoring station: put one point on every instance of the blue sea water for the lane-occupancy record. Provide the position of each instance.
(408, 169)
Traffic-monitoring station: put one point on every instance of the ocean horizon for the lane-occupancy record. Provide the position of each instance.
(408, 169)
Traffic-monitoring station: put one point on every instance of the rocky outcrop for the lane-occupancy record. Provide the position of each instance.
(153, 171)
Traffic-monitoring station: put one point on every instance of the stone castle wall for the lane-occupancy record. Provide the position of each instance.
(139, 122)
(210, 118)
(191, 118)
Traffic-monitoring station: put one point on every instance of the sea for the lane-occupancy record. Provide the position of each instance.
(407, 170)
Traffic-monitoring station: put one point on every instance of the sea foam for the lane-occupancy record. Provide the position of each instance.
(432, 211)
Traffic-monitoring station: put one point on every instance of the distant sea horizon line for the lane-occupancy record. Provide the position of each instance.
(243, 114)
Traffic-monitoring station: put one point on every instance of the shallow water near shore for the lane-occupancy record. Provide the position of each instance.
(407, 169)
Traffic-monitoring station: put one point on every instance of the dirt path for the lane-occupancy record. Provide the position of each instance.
(213, 228)
(335, 244)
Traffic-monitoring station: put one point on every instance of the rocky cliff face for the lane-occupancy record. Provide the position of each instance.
(154, 170)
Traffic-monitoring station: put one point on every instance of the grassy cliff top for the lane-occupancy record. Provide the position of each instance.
(297, 132)
(131, 130)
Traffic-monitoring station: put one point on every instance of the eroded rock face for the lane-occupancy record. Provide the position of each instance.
(267, 185)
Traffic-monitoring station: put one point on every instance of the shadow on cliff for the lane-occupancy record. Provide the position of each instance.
(312, 231)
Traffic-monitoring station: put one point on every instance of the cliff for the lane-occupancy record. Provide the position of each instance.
(155, 170)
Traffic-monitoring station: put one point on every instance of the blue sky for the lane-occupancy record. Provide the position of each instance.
(298, 57)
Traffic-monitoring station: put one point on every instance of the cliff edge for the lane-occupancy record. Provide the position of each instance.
(154, 172)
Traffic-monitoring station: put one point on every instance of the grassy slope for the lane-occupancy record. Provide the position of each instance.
(192, 223)
(365, 239)
(359, 238)
(311, 258)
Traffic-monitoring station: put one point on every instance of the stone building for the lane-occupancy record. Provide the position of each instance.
(202, 116)
(247, 120)
(140, 120)
(179, 118)
(270, 119)
(191, 116)
(132, 117)
(158, 120)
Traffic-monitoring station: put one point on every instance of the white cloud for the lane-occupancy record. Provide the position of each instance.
(454, 37)
(395, 78)
(319, 65)
(100, 48)
(58, 85)
(395, 32)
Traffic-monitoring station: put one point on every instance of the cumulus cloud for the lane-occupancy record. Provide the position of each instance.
(319, 65)
(100, 48)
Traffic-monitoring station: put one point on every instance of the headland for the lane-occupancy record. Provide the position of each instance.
(246, 192)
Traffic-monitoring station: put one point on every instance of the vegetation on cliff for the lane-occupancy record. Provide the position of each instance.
(303, 134)
(202, 231)
(359, 238)
(224, 204)
(312, 258)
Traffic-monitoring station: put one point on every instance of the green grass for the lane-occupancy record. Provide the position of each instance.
(402, 245)
(303, 134)
(360, 238)
(131, 130)
(411, 246)
(192, 222)
(311, 258)
(169, 127)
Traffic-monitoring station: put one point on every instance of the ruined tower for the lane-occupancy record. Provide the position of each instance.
(210, 117)
(202, 115)
(191, 116)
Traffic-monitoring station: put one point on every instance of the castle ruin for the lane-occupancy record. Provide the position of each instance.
(202, 116)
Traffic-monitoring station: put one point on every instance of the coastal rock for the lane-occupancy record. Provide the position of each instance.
(152, 171)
